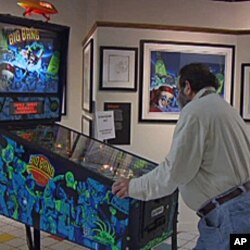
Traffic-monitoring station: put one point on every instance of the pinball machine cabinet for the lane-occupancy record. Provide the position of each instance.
(59, 181)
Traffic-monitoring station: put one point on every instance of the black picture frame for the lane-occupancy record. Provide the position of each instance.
(118, 68)
(86, 125)
(87, 76)
(245, 90)
(122, 120)
(64, 101)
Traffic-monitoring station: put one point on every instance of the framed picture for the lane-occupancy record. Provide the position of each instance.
(245, 90)
(64, 99)
(118, 68)
(87, 76)
(160, 63)
(86, 125)
(122, 120)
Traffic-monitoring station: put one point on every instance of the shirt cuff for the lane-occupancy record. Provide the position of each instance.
(135, 189)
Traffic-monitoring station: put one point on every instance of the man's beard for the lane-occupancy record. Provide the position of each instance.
(182, 99)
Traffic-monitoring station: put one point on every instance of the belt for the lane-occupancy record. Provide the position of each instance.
(223, 198)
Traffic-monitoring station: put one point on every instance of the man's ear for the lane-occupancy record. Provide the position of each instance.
(188, 88)
(188, 91)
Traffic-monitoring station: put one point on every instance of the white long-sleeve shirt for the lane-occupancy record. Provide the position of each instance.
(210, 153)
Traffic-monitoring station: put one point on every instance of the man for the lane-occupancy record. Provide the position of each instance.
(209, 162)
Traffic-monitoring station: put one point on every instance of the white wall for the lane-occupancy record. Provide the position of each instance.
(145, 134)
(204, 13)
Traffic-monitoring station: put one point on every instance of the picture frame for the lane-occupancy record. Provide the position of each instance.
(245, 90)
(118, 68)
(64, 100)
(122, 121)
(160, 62)
(86, 126)
(87, 76)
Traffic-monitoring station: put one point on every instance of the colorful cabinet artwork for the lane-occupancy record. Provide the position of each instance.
(59, 181)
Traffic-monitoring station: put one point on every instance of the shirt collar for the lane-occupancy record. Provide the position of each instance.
(202, 91)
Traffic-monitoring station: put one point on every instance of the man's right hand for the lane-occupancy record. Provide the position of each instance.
(120, 188)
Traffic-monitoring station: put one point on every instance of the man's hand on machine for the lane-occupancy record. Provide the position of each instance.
(120, 188)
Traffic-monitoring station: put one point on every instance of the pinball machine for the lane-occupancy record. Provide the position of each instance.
(53, 178)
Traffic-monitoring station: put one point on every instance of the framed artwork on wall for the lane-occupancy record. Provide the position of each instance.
(86, 125)
(160, 62)
(64, 99)
(87, 76)
(122, 120)
(118, 68)
(245, 91)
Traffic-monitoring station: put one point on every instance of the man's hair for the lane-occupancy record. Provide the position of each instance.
(198, 75)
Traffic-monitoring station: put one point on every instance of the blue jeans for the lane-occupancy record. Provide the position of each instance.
(232, 217)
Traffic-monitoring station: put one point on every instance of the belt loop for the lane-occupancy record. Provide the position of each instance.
(242, 188)
(199, 214)
(215, 202)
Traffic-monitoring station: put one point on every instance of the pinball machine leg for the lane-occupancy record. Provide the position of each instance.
(29, 238)
(37, 239)
(174, 241)
(174, 235)
(33, 244)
